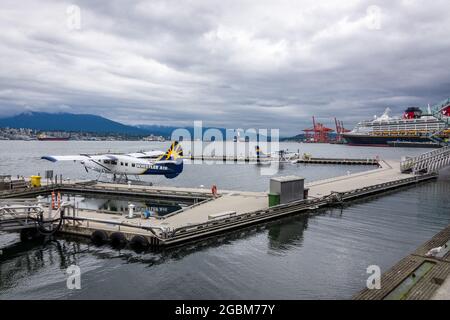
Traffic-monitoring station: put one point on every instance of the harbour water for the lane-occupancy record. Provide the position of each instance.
(324, 256)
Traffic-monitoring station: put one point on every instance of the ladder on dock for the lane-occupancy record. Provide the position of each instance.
(428, 162)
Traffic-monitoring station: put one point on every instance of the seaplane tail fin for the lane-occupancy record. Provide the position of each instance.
(173, 153)
(259, 152)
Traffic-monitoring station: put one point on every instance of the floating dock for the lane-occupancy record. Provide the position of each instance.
(294, 159)
(422, 275)
(208, 214)
(181, 195)
(227, 158)
(366, 162)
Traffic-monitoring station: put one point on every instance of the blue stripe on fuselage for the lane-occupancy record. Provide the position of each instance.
(170, 169)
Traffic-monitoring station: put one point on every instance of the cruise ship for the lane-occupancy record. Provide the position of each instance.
(414, 126)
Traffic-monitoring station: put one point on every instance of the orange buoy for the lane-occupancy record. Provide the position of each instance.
(53, 199)
(214, 190)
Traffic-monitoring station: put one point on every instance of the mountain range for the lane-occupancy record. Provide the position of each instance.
(71, 122)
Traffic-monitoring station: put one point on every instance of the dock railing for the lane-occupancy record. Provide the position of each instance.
(427, 162)
(18, 214)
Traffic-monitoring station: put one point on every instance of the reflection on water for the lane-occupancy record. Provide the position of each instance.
(285, 233)
(119, 204)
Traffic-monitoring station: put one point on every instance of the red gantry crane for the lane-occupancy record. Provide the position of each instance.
(340, 130)
(318, 133)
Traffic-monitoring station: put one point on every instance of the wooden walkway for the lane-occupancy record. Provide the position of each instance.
(417, 276)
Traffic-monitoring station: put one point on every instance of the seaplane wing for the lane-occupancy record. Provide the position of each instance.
(154, 154)
(81, 157)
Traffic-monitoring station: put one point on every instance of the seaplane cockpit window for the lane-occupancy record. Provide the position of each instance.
(106, 162)
(114, 162)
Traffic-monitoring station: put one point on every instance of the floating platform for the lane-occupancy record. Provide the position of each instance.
(208, 215)
(418, 276)
(181, 195)
(237, 159)
(295, 159)
(364, 162)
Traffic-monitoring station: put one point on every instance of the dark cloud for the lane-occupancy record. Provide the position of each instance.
(265, 64)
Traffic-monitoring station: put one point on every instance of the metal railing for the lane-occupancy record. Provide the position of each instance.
(96, 188)
(138, 190)
(428, 162)
(18, 214)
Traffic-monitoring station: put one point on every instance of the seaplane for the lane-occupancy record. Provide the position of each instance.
(281, 155)
(120, 166)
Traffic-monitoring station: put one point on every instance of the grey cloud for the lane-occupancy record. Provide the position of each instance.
(268, 64)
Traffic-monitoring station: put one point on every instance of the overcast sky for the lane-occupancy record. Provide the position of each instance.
(234, 64)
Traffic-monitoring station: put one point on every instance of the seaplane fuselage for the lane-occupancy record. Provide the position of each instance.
(122, 164)
(166, 163)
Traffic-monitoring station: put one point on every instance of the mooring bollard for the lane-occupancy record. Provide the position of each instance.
(131, 211)
(40, 200)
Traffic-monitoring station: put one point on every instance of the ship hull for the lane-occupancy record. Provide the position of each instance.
(380, 141)
(53, 139)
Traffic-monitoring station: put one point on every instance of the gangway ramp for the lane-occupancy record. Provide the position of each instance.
(429, 162)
